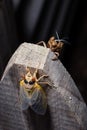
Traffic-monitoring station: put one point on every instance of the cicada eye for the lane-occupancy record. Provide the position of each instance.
(25, 81)
(31, 82)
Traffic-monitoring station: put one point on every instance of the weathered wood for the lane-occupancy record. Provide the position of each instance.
(66, 108)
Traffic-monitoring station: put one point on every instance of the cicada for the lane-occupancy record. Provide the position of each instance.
(32, 93)
(55, 45)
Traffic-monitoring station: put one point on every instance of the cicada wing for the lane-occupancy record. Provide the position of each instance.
(25, 100)
(39, 102)
(65, 41)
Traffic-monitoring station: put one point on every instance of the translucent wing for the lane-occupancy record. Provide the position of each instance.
(57, 35)
(25, 100)
(38, 101)
(61, 40)
(65, 41)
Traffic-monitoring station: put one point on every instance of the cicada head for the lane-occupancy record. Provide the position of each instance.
(28, 81)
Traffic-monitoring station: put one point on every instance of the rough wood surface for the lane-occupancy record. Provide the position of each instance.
(66, 108)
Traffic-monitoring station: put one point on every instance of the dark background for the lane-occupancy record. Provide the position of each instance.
(36, 20)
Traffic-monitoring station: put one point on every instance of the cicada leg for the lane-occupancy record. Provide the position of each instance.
(42, 42)
(42, 77)
(47, 83)
(56, 56)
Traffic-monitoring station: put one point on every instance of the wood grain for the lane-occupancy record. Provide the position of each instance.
(66, 108)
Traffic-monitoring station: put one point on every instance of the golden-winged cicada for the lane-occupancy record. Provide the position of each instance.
(32, 93)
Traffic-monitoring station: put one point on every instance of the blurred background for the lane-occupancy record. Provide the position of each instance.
(36, 20)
